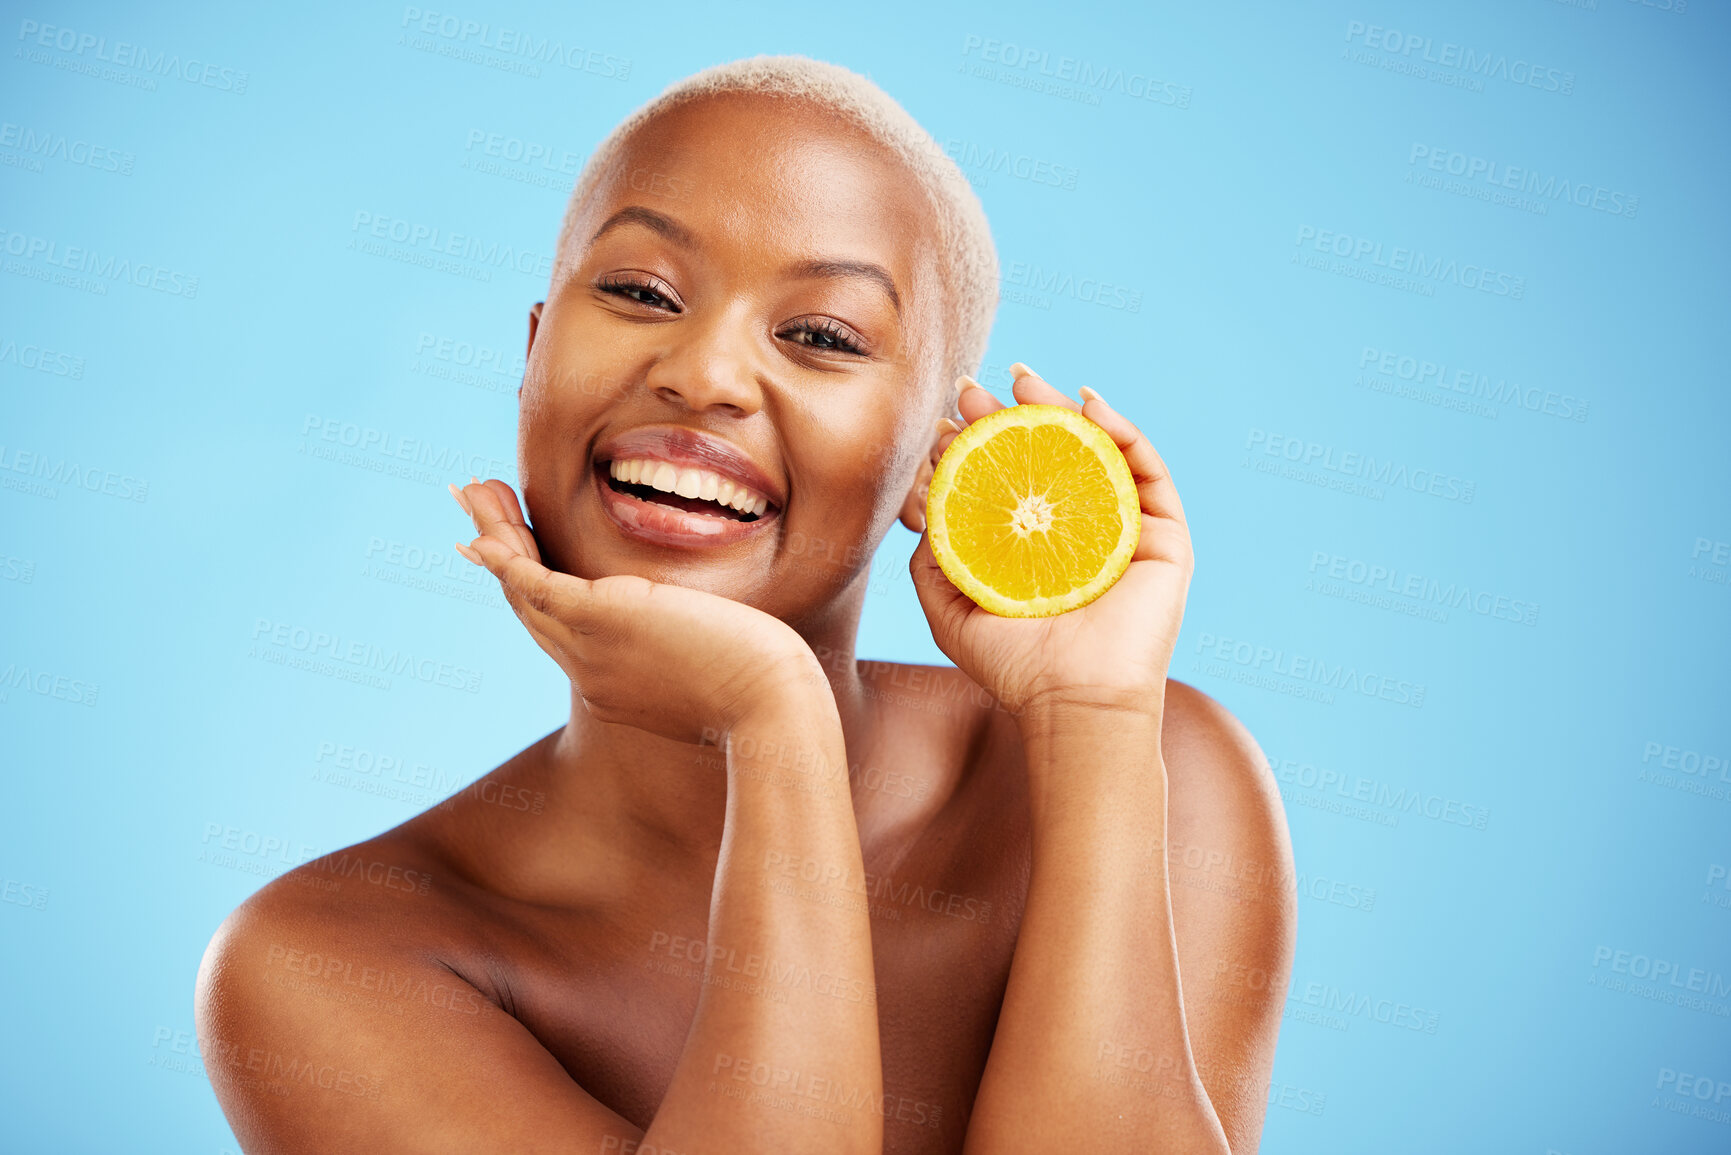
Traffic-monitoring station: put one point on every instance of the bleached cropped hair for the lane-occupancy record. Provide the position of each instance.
(968, 259)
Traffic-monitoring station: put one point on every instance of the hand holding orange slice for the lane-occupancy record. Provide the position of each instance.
(1032, 511)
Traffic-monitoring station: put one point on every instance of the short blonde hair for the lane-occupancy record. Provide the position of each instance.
(968, 260)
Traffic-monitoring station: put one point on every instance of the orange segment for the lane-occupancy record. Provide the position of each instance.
(1032, 511)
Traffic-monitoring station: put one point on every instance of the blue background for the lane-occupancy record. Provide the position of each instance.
(202, 513)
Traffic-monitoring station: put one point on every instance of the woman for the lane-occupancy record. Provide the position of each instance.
(753, 895)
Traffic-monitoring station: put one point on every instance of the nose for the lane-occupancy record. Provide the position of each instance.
(711, 364)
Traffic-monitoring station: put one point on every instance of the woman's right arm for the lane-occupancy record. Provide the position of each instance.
(783, 1052)
(311, 1020)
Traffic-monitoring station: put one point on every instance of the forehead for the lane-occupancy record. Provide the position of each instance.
(768, 172)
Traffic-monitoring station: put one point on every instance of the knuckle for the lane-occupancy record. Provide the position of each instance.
(537, 596)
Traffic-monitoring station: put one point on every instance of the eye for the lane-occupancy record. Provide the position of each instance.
(644, 290)
(824, 333)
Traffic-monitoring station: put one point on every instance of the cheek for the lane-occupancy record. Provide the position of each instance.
(540, 416)
(858, 469)
(578, 371)
(556, 415)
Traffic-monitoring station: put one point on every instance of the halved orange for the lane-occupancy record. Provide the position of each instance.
(1032, 511)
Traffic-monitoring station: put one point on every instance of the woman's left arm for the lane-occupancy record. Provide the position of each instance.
(1093, 1048)
(1140, 1016)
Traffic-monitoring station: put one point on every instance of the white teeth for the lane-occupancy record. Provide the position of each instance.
(689, 483)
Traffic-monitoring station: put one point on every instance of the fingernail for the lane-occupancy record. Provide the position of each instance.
(461, 500)
(965, 382)
(945, 425)
(1020, 369)
(470, 554)
(1089, 395)
(473, 480)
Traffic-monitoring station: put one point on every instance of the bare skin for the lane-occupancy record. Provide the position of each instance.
(755, 895)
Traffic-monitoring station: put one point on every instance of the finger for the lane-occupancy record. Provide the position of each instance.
(1154, 483)
(494, 508)
(1032, 389)
(1164, 539)
(561, 602)
(541, 627)
(547, 634)
(465, 496)
(947, 428)
(943, 444)
(497, 512)
(976, 400)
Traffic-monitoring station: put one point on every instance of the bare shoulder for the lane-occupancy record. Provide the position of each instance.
(327, 1019)
(359, 899)
(1234, 902)
(1218, 773)
(1229, 852)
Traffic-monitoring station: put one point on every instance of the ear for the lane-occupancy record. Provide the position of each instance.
(913, 514)
(534, 322)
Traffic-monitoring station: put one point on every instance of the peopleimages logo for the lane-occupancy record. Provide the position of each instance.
(387, 451)
(84, 47)
(459, 33)
(1383, 795)
(70, 473)
(1672, 973)
(1302, 669)
(46, 683)
(1333, 1001)
(45, 144)
(1414, 49)
(432, 241)
(1473, 384)
(508, 364)
(1068, 76)
(1059, 283)
(1487, 178)
(1691, 1092)
(1411, 263)
(106, 267)
(986, 161)
(1357, 467)
(1402, 583)
(41, 359)
(275, 639)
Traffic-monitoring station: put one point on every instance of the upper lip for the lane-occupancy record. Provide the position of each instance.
(681, 446)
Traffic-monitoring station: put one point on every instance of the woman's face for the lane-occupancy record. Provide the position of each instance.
(751, 303)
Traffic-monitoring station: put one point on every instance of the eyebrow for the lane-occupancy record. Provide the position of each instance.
(877, 274)
(649, 218)
(685, 238)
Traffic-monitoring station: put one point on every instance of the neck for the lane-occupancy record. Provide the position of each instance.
(622, 796)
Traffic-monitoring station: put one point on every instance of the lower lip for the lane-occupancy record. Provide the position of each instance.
(663, 525)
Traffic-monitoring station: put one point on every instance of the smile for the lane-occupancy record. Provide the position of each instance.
(693, 490)
(683, 488)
